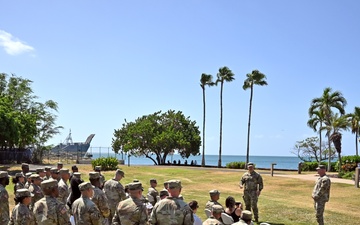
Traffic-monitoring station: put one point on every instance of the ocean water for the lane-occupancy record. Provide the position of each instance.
(282, 162)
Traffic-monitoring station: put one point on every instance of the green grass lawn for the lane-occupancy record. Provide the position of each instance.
(282, 201)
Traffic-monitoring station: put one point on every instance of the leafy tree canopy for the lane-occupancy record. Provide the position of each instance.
(308, 150)
(157, 135)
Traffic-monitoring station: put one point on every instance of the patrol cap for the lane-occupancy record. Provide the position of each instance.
(47, 168)
(153, 180)
(94, 175)
(48, 184)
(174, 184)
(135, 180)
(39, 170)
(59, 163)
(135, 186)
(214, 192)
(63, 170)
(23, 192)
(27, 175)
(250, 164)
(54, 170)
(19, 175)
(217, 209)
(246, 215)
(77, 174)
(35, 176)
(85, 186)
(4, 174)
(97, 168)
(164, 192)
(24, 165)
(119, 171)
(321, 167)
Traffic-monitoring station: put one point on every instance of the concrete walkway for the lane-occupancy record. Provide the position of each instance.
(314, 177)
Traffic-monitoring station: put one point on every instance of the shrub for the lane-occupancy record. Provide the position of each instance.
(109, 163)
(347, 175)
(311, 166)
(235, 165)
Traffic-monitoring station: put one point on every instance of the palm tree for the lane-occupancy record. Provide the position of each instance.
(333, 127)
(325, 103)
(253, 78)
(355, 125)
(317, 117)
(224, 74)
(205, 80)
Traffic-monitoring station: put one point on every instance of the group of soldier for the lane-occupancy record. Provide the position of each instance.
(46, 198)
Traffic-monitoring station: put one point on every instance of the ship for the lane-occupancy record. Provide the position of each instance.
(70, 147)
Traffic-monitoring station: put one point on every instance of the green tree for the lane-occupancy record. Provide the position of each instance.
(355, 126)
(224, 75)
(317, 119)
(157, 135)
(309, 149)
(205, 80)
(253, 78)
(325, 103)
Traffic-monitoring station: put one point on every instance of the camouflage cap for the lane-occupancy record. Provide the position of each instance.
(63, 170)
(60, 164)
(23, 192)
(47, 168)
(164, 192)
(19, 175)
(94, 175)
(214, 192)
(85, 186)
(54, 170)
(97, 168)
(77, 174)
(153, 180)
(174, 184)
(27, 175)
(321, 167)
(35, 176)
(217, 209)
(4, 174)
(39, 170)
(250, 164)
(135, 186)
(246, 215)
(135, 180)
(119, 171)
(48, 184)
(24, 165)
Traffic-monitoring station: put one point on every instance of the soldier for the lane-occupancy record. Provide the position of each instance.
(245, 218)
(172, 210)
(163, 194)
(24, 168)
(321, 193)
(18, 181)
(253, 184)
(84, 210)
(132, 210)
(63, 187)
(49, 210)
(102, 178)
(41, 172)
(21, 214)
(153, 194)
(59, 166)
(114, 191)
(100, 198)
(35, 189)
(28, 180)
(215, 218)
(54, 174)
(4, 197)
(47, 173)
(214, 197)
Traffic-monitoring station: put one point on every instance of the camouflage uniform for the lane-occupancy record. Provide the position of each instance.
(131, 211)
(321, 194)
(171, 211)
(115, 193)
(252, 183)
(63, 191)
(21, 215)
(152, 195)
(210, 204)
(102, 181)
(84, 210)
(101, 202)
(50, 211)
(4, 205)
(36, 191)
(212, 221)
(18, 185)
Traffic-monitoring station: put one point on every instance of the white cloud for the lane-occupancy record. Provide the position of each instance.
(12, 45)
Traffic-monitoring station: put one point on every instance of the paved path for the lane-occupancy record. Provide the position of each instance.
(314, 177)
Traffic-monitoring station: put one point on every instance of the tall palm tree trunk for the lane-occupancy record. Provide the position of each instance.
(356, 143)
(320, 139)
(248, 133)
(329, 161)
(221, 115)
(203, 143)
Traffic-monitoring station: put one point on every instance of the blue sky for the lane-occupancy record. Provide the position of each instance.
(107, 61)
